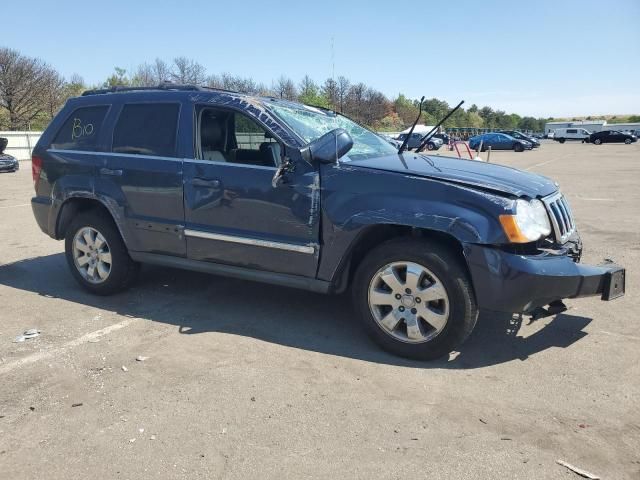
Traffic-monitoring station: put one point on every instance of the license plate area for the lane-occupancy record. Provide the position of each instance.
(613, 284)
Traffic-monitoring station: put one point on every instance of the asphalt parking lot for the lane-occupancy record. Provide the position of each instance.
(245, 380)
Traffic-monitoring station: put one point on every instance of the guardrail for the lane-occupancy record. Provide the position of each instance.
(21, 143)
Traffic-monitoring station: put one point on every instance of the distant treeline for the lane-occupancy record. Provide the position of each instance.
(32, 91)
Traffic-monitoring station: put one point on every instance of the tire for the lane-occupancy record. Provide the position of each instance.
(439, 265)
(627, 141)
(430, 146)
(597, 141)
(561, 140)
(518, 147)
(122, 271)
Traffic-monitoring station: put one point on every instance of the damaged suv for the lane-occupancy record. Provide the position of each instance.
(274, 191)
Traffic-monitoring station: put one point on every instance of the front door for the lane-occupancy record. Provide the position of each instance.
(233, 213)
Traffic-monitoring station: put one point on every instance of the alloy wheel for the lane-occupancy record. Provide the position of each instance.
(92, 255)
(408, 302)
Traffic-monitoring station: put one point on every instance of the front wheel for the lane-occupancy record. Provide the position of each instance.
(430, 146)
(518, 147)
(561, 140)
(414, 298)
(96, 254)
(627, 141)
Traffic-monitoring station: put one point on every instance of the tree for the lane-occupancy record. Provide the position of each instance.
(188, 72)
(285, 88)
(330, 92)
(406, 110)
(342, 92)
(310, 93)
(24, 86)
(118, 78)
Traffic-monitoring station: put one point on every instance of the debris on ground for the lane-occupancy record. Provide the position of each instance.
(31, 333)
(131, 440)
(152, 437)
(76, 405)
(124, 369)
(140, 358)
(483, 421)
(93, 340)
(579, 471)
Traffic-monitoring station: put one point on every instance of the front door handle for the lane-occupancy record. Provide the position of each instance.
(109, 171)
(203, 182)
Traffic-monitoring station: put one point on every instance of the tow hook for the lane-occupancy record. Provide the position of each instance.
(554, 308)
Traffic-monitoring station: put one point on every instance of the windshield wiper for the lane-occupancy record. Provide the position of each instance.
(406, 139)
(425, 139)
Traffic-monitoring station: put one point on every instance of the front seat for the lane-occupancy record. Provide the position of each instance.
(212, 139)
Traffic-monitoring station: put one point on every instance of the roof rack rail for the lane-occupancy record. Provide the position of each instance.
(162, 86)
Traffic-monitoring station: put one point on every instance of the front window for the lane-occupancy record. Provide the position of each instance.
(310, 123)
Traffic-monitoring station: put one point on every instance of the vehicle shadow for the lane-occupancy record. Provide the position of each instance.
(198, 303)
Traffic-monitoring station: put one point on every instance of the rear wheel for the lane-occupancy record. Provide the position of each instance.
(414, 298)
(627, 141)
(597, 141)
(96, 254)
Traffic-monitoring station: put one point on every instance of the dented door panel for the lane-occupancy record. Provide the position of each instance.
(235, 216)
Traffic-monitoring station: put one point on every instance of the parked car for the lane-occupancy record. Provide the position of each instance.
(416, 139)
(550, 135)
(446, 139)
(521, 136)
(498, 141)
(612, 136)
(7, 162)
(315, 201)
(573, 134)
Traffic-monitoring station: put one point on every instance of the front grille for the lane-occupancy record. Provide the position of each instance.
(561, 217)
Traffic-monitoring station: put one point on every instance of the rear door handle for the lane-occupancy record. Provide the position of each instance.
(109, 171)
(203, 182)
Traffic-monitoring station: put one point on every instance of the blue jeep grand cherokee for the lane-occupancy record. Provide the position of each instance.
(274, 191)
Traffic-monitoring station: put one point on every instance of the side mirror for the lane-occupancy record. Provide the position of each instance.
(330, 147)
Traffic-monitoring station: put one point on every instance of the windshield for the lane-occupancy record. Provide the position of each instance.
(311, 123)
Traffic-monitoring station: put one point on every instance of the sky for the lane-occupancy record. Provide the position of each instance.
(541, 58)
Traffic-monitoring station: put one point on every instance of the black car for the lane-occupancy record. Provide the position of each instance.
(7, 162)
(274, 191)
(611, 136)
(498, 141)
(521, 136)
(416, 138)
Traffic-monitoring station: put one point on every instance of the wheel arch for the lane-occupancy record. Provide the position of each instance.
(374, 235)
(75, 205)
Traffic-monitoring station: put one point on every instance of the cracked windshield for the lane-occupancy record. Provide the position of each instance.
(311, 123)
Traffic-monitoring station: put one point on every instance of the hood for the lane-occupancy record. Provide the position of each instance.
(473, 173)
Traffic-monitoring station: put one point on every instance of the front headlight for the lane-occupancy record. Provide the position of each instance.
(530, 222)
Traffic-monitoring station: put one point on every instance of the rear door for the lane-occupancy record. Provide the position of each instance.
(233, 213)
(144, 170)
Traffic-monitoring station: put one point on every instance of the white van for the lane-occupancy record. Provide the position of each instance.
(563, 134)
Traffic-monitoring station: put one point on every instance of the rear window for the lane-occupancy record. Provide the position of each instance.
(81, 130)
(147, 129)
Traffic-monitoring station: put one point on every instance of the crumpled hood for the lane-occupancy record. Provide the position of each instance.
(486, 176)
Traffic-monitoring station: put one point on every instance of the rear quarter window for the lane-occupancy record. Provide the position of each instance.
(147, 129)
(81, 130)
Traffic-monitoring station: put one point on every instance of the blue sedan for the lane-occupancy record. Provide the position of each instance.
(499, 141)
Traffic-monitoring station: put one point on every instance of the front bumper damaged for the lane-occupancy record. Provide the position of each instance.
(509, 282)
